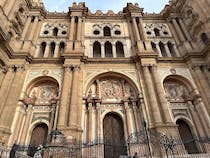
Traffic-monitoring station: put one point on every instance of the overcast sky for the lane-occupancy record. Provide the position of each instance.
(104, 5)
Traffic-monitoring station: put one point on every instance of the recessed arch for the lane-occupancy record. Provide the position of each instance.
(42, 90)
(107, 31)
(113, 135)
(108, 50)
(119, 49)
(96, 49)
(187, 136)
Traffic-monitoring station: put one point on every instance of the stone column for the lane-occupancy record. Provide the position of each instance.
(47, 50)
(65, 95)
(185, 30)
(158, 49)
(161, 95)
(86, 126)
(16, 125)
(34, 28)
(37, 51)
(167, 50)
(136, 116)
(176, 50)
(25, 30)
(90, 124)
(204, 84)
(5, 87)
(57, 51)
(151, 95)
(114, 50)
(3, 71)
(178, 30)
(135, 29)
(94, 125)
(207, 73)
(13, 96)
(26, 125)
(141, 29)
(74, 97)
(102, 51)
(8, 5)
(71, 32)
(79, 29)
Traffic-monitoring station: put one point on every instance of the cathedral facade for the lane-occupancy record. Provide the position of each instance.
(105, 78)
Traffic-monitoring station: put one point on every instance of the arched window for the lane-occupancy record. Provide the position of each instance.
(96, 50)
(187, 137)
(157, 32)
(204, 38)
(171, 49)
(52, 49)
(62, 47)
(38, 137)
(107, 31)
(55, 31)
(119, 49)
(108, 50)
(162, 49)
(43, 47)
(154, 48)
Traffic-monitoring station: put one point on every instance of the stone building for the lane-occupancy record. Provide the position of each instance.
(96, 77)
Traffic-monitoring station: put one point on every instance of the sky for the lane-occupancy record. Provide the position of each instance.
(149, 6)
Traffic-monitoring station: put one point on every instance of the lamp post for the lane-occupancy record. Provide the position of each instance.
(147, 137)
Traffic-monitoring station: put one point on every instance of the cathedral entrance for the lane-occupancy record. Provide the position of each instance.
(114, 140)
(38, 137)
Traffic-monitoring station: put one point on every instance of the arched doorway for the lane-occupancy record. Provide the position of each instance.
(114, 140)
(38, 137)
(187, 137)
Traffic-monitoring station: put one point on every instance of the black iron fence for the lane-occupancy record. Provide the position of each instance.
(141, 144)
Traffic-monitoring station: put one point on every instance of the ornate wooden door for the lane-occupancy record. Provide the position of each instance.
(114, 140)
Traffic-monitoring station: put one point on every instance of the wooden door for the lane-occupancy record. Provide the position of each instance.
(114, 140)
(38, 137)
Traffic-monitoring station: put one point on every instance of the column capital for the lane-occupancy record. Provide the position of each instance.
(72, 67)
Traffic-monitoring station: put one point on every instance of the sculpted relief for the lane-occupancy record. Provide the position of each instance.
(176, 91)
(111, 90)
(42, 94)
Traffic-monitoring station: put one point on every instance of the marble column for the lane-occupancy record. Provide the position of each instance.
(65, 95)
(167, 50)
(37, 51)
(102, 51)
(158, 49)
(161, 95)
(47, 50)
(178, 30)
(176, 50)
(33, 28)
(26, 27)
(152, 96)
(114, 50)
(136, 32)
(57, 51)
(73, 119)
